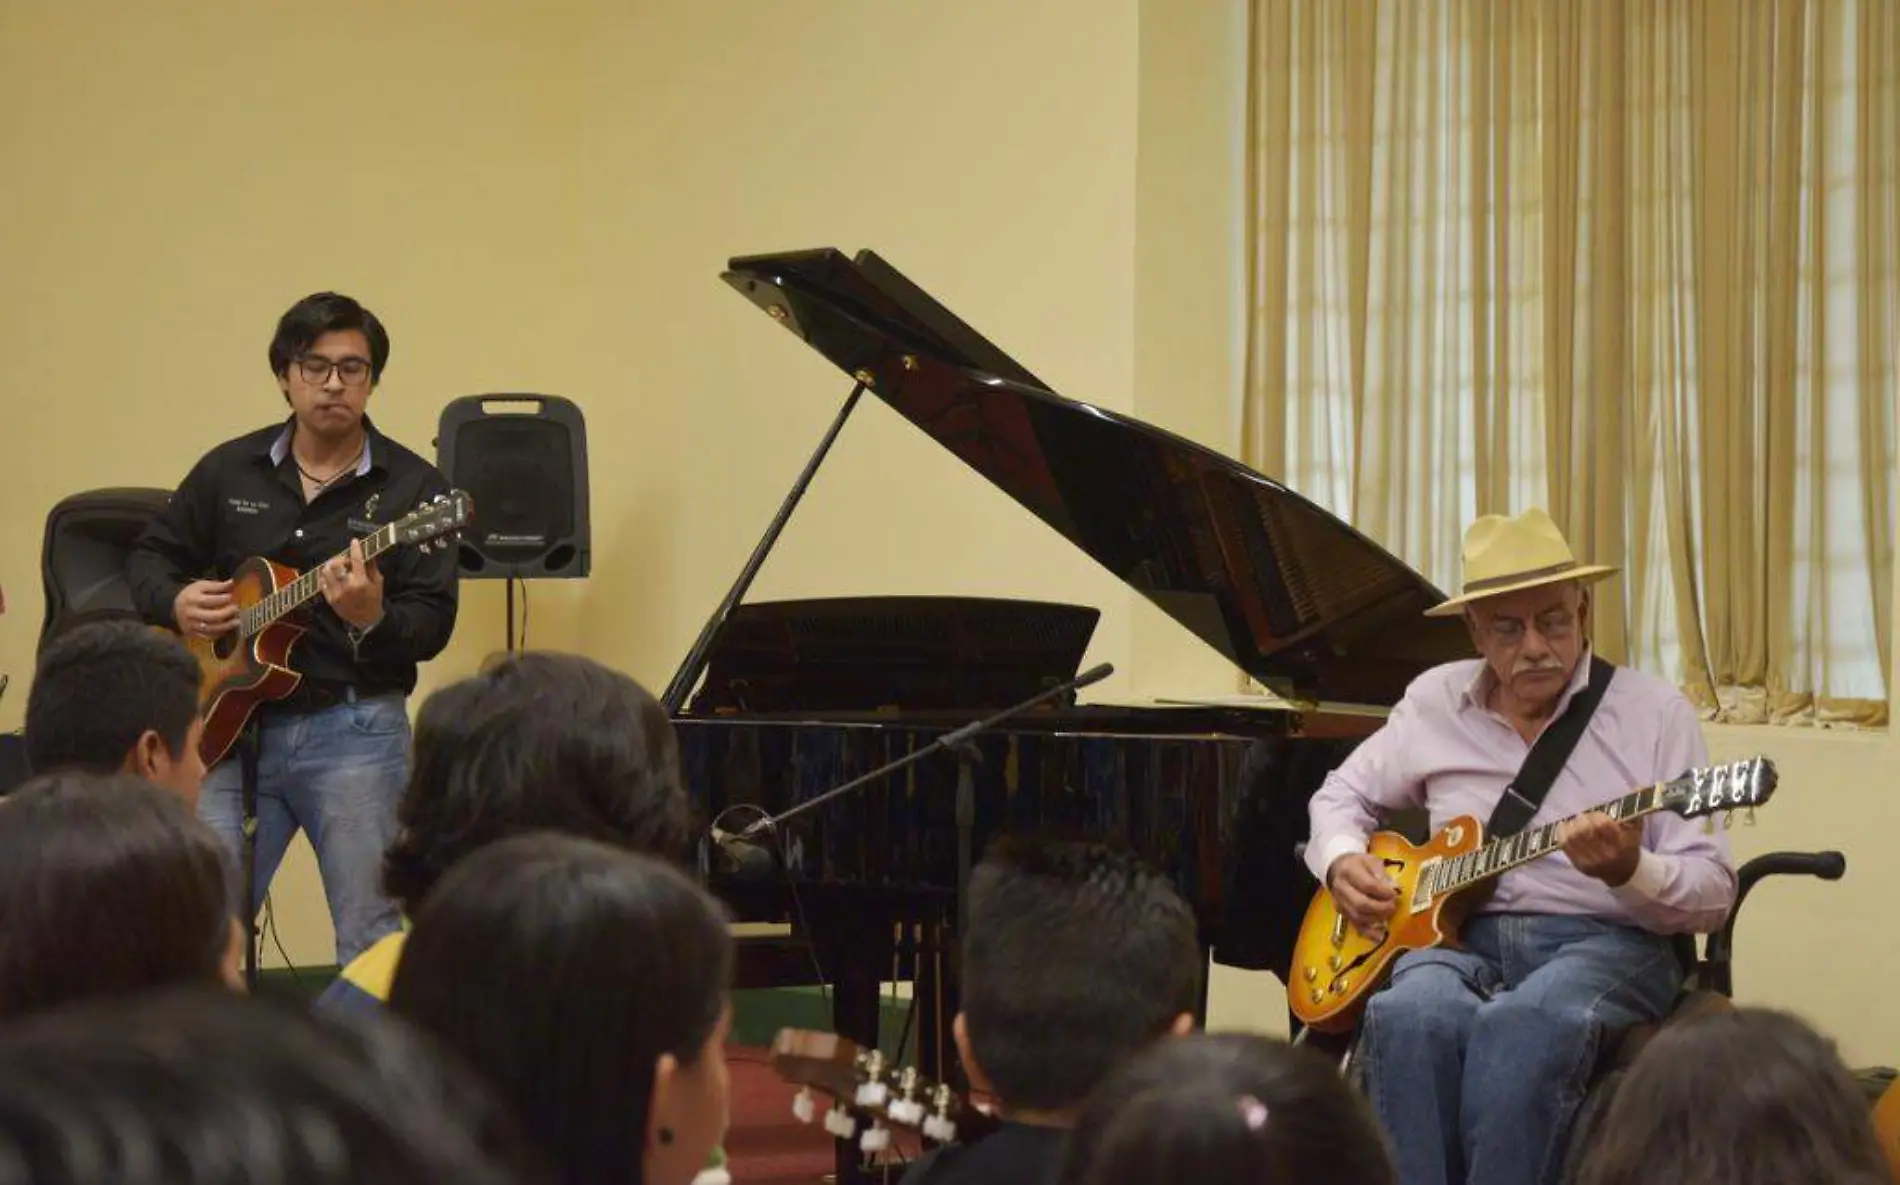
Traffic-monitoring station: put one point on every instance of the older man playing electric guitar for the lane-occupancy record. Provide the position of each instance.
(1475, 1058)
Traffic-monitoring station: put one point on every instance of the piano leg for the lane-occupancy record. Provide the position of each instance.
(862, 958)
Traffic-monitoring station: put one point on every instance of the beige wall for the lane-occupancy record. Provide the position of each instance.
(544, 204)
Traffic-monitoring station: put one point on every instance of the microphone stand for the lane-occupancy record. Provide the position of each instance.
(949, 740)
(958, 741)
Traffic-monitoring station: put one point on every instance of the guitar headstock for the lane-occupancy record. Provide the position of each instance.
(1717, 789)
(861, 1082)
(436, 519)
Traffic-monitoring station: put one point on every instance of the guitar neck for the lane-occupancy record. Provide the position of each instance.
(1501, 855)
(294, 595)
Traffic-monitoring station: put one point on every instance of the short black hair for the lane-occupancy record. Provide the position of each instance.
(1744, 1094)
(1077, 955)
(100, 687)
(1227, 1109)
(203, 1087)
(326, 312)
(589, 963)
(538, 742)
(109, 886)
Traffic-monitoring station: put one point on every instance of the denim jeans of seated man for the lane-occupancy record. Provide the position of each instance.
(1476, 1059)
(337, 774)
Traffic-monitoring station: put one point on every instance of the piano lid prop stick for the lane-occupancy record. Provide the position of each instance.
(693, 665)
(948, 740)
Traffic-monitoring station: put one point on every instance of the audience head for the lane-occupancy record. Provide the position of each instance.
(1231, 1109)
(1736, 1097)
(537, 742)
(1076, 957)
(117, 696)
(108, 886)
(601, 1010)
(191, 1087)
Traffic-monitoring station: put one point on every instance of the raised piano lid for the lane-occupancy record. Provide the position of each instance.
(1288, 592)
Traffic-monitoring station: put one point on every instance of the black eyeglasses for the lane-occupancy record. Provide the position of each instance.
(316, 369)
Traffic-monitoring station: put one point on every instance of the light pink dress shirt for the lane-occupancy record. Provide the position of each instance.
(1443, 749)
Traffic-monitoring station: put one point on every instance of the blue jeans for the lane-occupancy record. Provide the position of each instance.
(1476, 1059)
(338, 774)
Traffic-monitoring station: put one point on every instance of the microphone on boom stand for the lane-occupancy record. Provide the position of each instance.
(744, 855)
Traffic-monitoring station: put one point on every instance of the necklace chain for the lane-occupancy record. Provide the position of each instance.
(326, 482)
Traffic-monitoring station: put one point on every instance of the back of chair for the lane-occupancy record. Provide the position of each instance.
(82, 558)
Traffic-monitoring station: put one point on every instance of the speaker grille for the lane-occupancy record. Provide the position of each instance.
(521, 477)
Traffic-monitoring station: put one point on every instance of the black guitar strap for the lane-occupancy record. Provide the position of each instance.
(1547, 756)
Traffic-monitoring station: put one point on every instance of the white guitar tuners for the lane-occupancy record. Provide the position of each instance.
(840, 1123)
(906, 1112)
(804, 1107)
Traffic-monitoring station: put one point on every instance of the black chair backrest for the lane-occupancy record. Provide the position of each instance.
(82, 559)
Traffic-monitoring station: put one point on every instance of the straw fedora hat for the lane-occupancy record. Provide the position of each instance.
(1507, 554)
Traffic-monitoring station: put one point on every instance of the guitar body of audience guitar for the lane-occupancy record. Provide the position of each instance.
(1336, 965)
(250, 665)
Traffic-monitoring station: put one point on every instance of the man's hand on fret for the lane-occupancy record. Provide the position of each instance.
(353, 587)
(1601, 847)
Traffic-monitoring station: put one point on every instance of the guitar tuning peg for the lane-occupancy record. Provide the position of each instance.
(875, 1139)
(1728, 820)
(906, 1112)
(804, 1107)
(940, 1130)
(840, 1123)
(1749, 819)
(1708, 824)
(873, 1094)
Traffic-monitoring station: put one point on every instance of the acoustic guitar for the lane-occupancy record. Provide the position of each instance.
(250, 665)
(861, 1083)
(1336, 965)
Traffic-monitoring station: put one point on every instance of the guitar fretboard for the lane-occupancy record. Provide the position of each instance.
(1502, 855)
(262, 615)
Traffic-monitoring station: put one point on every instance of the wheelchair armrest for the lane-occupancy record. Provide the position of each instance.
(1828, 866)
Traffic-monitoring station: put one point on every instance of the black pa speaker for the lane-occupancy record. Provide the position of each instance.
(523, 461)
(82, 559)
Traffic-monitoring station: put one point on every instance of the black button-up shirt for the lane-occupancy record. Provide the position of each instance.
(244, 499)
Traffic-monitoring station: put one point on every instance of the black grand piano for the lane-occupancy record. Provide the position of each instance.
(790, 699)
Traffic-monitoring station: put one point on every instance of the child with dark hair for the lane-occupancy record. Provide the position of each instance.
(588, 985)
(114, 696)
(1736, 1097)
(1076, 958)
(108, 886)
(192, 1087)
(1231, 1109)
(537, 742)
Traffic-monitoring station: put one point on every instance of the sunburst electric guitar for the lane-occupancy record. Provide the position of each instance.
(1336, 965)
(250, 665)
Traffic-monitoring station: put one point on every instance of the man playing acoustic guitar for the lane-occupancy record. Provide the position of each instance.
(1476, 1058)
(333, 756)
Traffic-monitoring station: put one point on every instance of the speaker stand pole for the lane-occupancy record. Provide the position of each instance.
(247, 779)
(511, 614)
